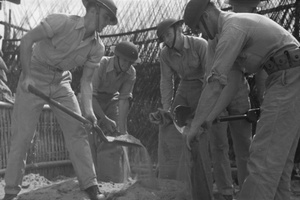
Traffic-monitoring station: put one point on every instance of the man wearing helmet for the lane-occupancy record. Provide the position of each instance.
(113, 84)
(252, 42)
(240, 130)
(183, 56)
(59, 43)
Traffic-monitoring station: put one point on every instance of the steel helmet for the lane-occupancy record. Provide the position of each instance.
(163, 26)
(109, 5)
(193, 11)
(248, 3)
(128, 51)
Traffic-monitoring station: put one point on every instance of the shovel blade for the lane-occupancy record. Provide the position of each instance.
(125, 140)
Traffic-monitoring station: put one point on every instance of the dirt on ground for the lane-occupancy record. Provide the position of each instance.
(36, 187)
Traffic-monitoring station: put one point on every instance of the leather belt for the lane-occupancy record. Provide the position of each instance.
(54, 69)
(283, 61)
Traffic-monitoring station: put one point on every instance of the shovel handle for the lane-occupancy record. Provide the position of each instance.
(68, 111)
(231, 118)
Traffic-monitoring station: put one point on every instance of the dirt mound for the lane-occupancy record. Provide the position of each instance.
(36, 187)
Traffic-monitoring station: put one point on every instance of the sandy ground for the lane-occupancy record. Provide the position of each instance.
(37, 187)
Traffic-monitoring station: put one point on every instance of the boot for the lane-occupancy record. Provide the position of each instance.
(94, 193)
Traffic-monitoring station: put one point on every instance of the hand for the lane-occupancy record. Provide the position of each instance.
(167, 117)
(109, 124)
(156, 118)
(93, 119)
(26, 82)
(207, 124)
(190, 136)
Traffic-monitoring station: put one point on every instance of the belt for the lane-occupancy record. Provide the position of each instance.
(190, 80)
(283, 61)
(54, 69)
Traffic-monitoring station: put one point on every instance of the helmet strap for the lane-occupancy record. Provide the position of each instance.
(174, 40)
(206, 28)
(175, 37)
(97, 19)
(119, 65)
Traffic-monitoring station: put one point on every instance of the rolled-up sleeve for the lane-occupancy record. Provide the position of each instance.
(228, 48)
(97, 52)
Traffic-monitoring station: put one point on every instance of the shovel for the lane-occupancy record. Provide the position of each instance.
(184, 113)
(123, 140)
(251, 116)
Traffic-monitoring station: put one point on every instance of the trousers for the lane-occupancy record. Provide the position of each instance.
(25, 116)
(274, 144)
(241, 134)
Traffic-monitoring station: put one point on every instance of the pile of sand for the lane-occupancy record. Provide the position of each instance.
(37, 187)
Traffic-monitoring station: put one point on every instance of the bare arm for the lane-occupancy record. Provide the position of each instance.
(86, 93)
(235, 79)
(97, 109)
(123, 113)
(207, 101)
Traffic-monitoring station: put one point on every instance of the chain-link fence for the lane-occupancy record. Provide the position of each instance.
(137, 22)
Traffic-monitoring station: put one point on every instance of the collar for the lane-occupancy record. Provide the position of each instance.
(80, 23)
(221, 20)
(110, 66)
(186, 45)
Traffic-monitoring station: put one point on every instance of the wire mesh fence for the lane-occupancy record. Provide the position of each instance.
(137, 22)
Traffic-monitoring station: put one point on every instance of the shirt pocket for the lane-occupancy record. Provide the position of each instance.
(80, 60)
(193, 67)
(70, 63)
(62, 47)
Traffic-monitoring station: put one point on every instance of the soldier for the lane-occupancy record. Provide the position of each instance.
(253, 42)
(113, 84)
(59, 43)
(240, 131)
(182, 56)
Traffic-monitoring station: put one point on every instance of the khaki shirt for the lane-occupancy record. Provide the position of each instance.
(65, 48)
(106, 80)
(247, 41)
(189, 65)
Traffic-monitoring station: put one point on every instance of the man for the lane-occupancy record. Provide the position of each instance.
(257, 81)
(240, 130)
(253, 42)
(113, 84)
(58, 44)
(183, 56)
